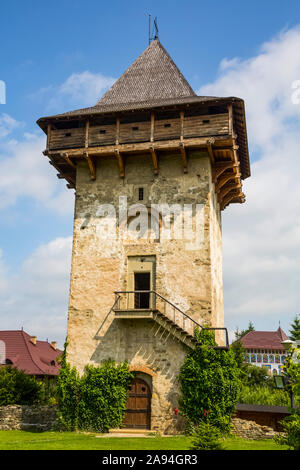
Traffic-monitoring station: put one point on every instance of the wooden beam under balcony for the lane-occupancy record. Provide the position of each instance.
(91, 165)
(184, 157)
(120, 162)
(68, 160)
(220, 167)
(225, 190)
(232, 195)
(227, 177)
(154, 159)
(209, 144)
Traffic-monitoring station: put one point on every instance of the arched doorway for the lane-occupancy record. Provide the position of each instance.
(138, 407)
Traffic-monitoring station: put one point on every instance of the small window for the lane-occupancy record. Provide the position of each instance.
(205, 121)
(68, 134)
(167, 125)
(141, 194)
(135, 128)
(102, 131)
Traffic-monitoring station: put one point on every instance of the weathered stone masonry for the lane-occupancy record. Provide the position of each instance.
(99, 267)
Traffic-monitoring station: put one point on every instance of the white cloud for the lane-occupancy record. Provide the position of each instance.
(7, 125)
(85, 87)
(261, 238)
(79, 90)
(25, 172)
(36, 297)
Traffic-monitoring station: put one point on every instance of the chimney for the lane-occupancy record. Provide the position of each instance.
(33, 339)
(54, 344)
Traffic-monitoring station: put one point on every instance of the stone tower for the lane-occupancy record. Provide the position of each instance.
(153, 166)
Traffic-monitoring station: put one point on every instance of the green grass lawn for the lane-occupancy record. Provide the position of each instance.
(22, 440)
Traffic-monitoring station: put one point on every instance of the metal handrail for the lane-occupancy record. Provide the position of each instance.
(118, 297)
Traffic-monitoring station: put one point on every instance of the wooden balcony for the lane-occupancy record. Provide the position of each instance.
(152, 134)
(139, 131)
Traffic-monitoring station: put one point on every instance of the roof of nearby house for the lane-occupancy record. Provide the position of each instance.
(33, 359)
(264, 339)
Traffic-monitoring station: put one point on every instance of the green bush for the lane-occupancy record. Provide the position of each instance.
(209, 384)
(103, 396)
(17, 388)
(291, 426)
(97, 400)
(68, 396)
(263, 395)
(206, 437)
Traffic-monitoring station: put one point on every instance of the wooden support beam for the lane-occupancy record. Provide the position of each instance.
(184, 157)
(117, 131)
(68, 160)
(65, 175)
(227, 177)
(87, 127)
(181, 125)
(209, 144)
(220, 167)
(152, 124)
(234, 194)
(91, 166)
(120, 163)
(49, 128)
(230, 119)
(225, 190)
(154, 160)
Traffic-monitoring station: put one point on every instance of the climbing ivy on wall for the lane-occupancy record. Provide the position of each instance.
(209, 383)
(96, 401)
(103, 396)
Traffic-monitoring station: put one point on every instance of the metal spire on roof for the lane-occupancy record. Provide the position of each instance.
(154, 34)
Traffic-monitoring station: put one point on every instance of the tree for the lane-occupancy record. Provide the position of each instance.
(18, 388)
(295, 329)
(239, 353)
(240, 334)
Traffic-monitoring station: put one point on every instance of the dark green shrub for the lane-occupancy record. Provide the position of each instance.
(206, 437)
(103, 396)
(97, 400)
(68, 396)
(17, 388)
(209, 383)
(291, 426)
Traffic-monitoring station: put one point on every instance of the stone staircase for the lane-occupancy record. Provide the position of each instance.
(166, 326)
(167, 316)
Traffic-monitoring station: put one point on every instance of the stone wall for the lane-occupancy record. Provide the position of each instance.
(264, 415)
(188, 274)
(251, 430)
(28, 418)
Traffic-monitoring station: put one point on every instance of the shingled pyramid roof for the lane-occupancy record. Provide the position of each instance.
(152, 77)
(152, 80)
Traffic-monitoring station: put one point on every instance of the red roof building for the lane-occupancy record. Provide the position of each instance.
(26, 353)
(264, 349)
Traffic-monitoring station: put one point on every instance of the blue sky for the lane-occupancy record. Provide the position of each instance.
(60, 56)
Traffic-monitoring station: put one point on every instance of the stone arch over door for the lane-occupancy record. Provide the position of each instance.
(138, 407)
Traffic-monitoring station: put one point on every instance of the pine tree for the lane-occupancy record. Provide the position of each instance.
(240, 334)
(295, 329)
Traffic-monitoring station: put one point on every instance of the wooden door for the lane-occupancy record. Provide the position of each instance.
(138, 412)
